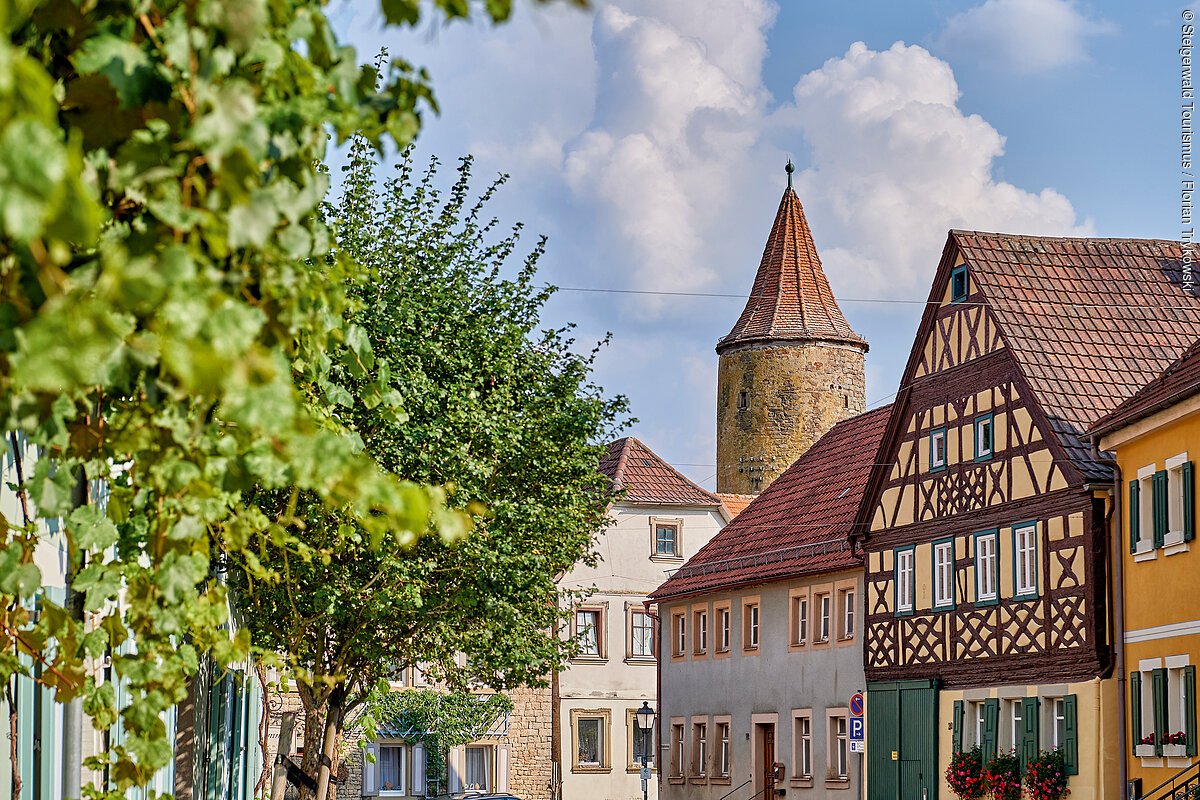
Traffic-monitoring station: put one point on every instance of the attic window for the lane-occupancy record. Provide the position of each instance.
(743, 401)
(958, 284)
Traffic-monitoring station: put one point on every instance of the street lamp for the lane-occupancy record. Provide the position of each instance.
(643, 720)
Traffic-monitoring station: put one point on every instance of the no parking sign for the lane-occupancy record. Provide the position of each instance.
(858, 725)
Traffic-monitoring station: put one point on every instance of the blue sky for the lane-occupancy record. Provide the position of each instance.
(647, 139)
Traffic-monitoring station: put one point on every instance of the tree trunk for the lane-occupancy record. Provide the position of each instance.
(322, 740)
(13, 728)
(330, 741)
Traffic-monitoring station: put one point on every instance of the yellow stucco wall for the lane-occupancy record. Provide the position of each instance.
(1099, 775)
(1161, 611)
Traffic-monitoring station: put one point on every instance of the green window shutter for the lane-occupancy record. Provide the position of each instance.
(991, 723)
(1189, 707)
(958, 726)
(1159, 678)
(1189, 503)
(1160, 507)
(1135, 709)
(1135, 515)
(1029, 734)
(1070, 743)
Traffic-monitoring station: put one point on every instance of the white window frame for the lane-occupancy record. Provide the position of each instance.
(905, 579)
(679, 633)
(700, 630)
(1025, 555)
(634, 627)
(597, 631)
(801, 619)
(489, 751)
(980, 719)
(935, 437)
(1175, 510)
(724, 628)
(700, 749)
(1016, 731)
(676, 526)
(987, 567)
(404, 755)
(824, 617)
(804, 725)
(724, 743)
(848, 613)
(943, 574)
(838, 753)
(981, 424)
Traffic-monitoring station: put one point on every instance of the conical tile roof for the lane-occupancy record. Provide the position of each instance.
(791, 299)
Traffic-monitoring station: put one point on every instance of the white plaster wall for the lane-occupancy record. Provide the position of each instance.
(627, 573)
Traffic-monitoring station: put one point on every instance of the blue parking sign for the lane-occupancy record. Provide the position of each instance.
(858, 729)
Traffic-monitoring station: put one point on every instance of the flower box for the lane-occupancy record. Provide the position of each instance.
(1174, 750)
(1144, 751)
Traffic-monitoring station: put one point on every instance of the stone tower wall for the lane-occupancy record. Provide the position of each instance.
(795, 392)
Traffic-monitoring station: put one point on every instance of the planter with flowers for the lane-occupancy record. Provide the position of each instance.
(1046, 776)
(1003, 776)
(1145, 748)
(965, 774)
(1175, 744)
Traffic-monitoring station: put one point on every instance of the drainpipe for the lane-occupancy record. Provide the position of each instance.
(658, 662)
(1117, 560)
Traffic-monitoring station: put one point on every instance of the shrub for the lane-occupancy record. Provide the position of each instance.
(965, 774)
(1003, 776)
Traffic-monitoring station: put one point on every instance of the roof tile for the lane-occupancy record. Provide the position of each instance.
(634, 468)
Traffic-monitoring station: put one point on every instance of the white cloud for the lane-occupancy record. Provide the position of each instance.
(895, 164)
(679, 109)
(1023, 35)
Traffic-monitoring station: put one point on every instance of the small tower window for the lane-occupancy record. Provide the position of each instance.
(958, 284)
(845, 401)
(743, 401)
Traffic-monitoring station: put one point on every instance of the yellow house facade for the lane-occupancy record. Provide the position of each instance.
(1155, 437)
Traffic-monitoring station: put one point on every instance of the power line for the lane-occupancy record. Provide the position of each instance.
(883, 300)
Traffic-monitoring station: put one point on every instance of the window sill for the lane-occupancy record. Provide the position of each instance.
(803, 782)
(1173, 549)
(665, 558)
(590, 769)
(993, 601)
(1144, 751)
(719, 780)
(1021, 598)
(675, 780)
(644, 660)
(1175, 750)
(1145, 555)
(837, 783)
(637, 768)
(698, 780)
(589, 660)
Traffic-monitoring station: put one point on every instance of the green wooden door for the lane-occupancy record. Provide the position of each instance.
(902, 740)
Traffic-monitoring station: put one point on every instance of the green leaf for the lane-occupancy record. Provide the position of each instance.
(91, 529)
(125, 65)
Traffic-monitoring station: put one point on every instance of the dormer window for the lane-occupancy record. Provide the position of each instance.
(958, 284)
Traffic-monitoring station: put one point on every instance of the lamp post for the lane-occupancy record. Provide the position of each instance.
(643, 720)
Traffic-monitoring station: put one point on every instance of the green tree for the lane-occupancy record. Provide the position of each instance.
(163, 288)
(498, 410)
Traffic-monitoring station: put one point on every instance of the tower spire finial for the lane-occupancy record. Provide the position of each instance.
(789, 169)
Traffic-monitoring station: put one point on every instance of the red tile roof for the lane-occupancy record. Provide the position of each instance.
(791, 299)
(1089, 321)
(799, 524)
(645, 478)
(1180, 381)
(735, 503)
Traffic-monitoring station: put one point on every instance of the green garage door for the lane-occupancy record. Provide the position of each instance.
(902, 740)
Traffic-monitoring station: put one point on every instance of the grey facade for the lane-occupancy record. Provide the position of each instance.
(786, 690)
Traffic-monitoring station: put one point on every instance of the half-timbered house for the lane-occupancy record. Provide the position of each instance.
(983, 525)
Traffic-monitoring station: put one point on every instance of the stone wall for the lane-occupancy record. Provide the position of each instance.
(795, 393)
(529, 734)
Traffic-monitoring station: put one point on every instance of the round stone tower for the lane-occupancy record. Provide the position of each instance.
(791, 367)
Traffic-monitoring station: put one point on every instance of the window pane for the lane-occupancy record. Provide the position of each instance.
(665, 537)
(391, 768)
(643, 634)
(589, 741)
(587, 625)
(479, 773)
